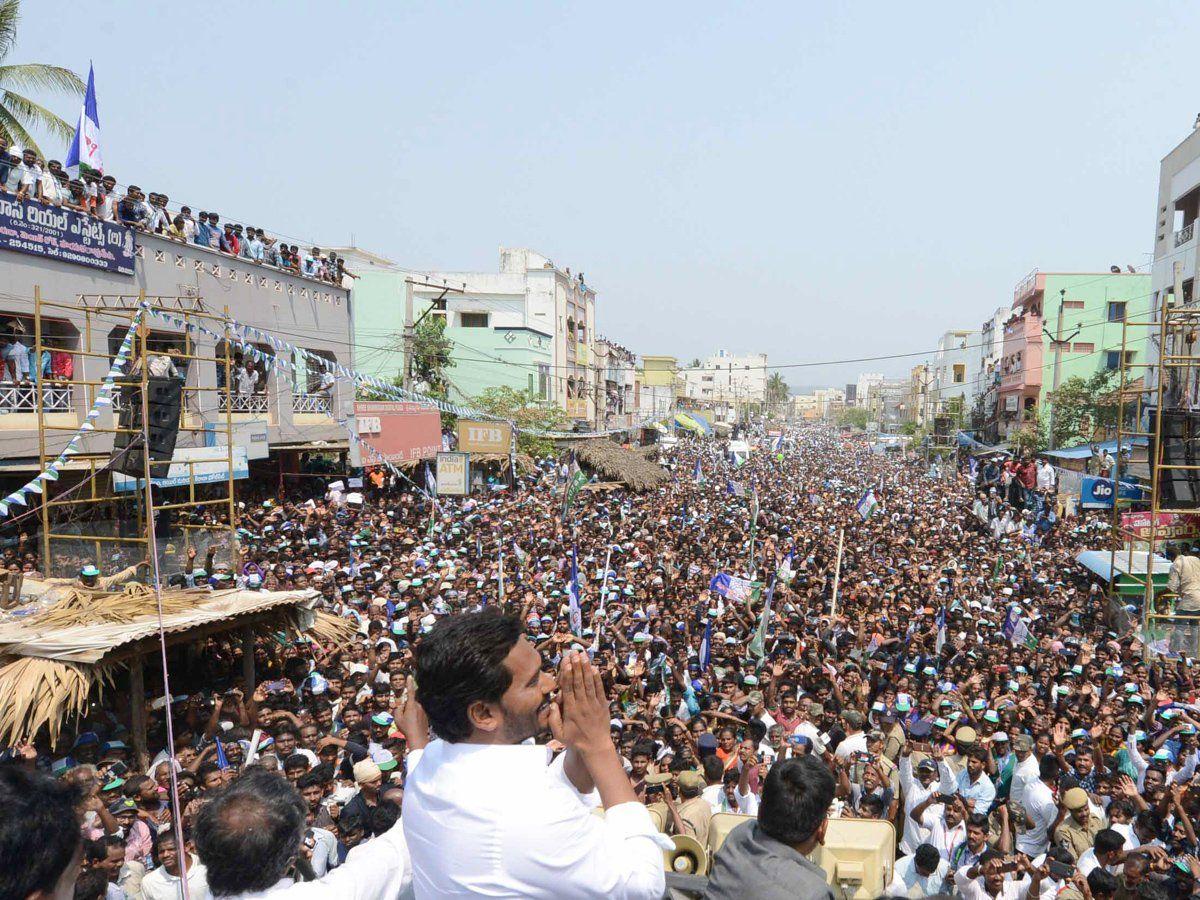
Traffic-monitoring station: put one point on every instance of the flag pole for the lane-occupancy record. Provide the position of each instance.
(502, 574)
(837, 577)
(604, 583)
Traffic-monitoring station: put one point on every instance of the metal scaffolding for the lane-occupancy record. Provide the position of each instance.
(1146, 391)
(65, 504)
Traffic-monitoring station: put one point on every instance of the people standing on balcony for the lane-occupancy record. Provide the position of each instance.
(77, 198)
(203, 230)
(214, 231)
(160, 222)
(16, 354)
(247, 379)
(255, 249)
(228, 242)
(29, 174)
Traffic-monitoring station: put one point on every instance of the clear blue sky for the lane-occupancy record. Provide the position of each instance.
(792, 178)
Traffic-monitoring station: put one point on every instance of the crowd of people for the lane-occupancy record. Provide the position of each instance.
(673, 654)
(27, 176)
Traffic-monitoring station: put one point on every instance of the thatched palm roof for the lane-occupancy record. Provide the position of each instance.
(613, 462)
(51, 661)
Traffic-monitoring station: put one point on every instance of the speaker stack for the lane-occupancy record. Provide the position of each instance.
(163, 399)
(1179, 488)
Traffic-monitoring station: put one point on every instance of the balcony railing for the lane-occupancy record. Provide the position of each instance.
(242, 403)
(310, 403)
(23, 397)
(1183, 235)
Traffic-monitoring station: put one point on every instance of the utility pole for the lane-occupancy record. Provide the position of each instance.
(410, 327)
(1057, 341)
(409, 333)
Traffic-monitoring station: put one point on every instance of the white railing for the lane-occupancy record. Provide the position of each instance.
(1183, 235)
(310, 403)
(242, 403)
(23, 397)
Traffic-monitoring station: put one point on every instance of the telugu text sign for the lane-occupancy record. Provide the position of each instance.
(484, 437)
(1170, 526)
(63, 234)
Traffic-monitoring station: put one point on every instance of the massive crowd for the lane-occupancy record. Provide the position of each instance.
(969, 683)
(27, 176)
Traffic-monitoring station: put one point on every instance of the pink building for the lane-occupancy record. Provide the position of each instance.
(1021, 358)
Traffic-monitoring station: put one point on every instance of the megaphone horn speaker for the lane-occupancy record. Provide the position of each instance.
(688, 858)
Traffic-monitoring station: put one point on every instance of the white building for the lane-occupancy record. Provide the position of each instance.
(986, 378)
(531, 325)
(950, 368)
(865, 382)
(725, 379)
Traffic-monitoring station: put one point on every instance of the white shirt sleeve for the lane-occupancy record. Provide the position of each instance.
(380, 868)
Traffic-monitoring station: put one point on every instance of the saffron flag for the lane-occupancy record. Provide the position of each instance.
(84, 152)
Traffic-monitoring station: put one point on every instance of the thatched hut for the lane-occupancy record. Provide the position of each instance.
(51, 661)
(612, 462)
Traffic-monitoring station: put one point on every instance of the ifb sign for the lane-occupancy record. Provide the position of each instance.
(484, 437)
(1097, 493)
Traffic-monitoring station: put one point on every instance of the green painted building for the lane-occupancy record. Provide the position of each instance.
(496, 335)
(1094, 305)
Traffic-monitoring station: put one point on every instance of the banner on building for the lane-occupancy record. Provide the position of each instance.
(198, 465)
(453, 474)
(398, 429)
(1097, 493)
(1169, 527)
(65, 235)
(251, 435)
(484, 437)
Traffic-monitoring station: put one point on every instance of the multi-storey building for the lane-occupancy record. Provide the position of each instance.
(951, 387)
(661, 386)
(293, 412)
(1093, 307)
(985, 390)
(616, 367)
(529, 326)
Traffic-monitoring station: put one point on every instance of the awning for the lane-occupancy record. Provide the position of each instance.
(1083, 451)
(692, 423)
(1127, 562)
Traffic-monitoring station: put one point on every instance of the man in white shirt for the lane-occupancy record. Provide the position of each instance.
(916, 790)
(247, 378)
(1026, 769)
(855, 740)
(920, 875)
(1040, 809)
(163, 883)
(248, 834)
(486, 812)
(990, 880)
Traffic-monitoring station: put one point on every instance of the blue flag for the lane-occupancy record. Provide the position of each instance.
(84, 152)
(573, 597)
(706, 646)
(697, 474)
(222, 759)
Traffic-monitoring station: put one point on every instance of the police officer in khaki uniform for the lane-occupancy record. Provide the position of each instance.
(693, 814)
(1077, 831)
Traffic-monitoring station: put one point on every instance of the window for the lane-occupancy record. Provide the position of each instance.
(1116, 312)
(473, 320)
(1112, 359)
(1084, 348)
(543, 381)
(1073, 304)
(960, 373)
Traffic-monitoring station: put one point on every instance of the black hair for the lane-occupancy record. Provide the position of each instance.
(39, 831)
(92, 884)
(385, 814)
(461, 662)
(713, 768)
(1101, 882)
(95, 851)
(977, 820)
(249, 833)
(296, 761)
(927, 857)
(1048, 767)
(795, 799)
(643, 748)
(1108, 840)
(309, 779)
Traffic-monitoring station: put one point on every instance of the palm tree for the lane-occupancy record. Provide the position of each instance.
(777, 391)
(18, 114)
